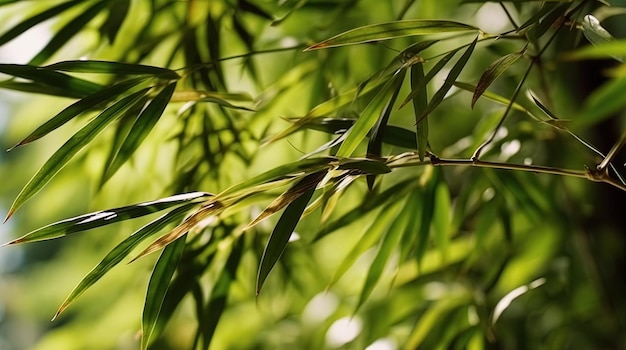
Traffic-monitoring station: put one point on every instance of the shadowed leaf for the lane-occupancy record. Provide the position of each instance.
(79, 107)
(286, 224)
(610, 49)
(106, 217)
(118, 10)
(493, 72)
(109, 67)
(121, 251)
(603, 102)
(391, 30)
(420, 102)
(78, 141)
(144, 123)
(157, 287)
(594, 32)
(494, 97)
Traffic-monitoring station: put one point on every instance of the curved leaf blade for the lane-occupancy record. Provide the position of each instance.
(76, 87)
(77, 142)
(391, 30)
(158, 285)
(121, 251)
(106, 217)
(110, 67)
(493, 71)
(284, 228)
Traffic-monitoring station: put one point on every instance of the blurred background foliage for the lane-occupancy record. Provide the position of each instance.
(448, 257)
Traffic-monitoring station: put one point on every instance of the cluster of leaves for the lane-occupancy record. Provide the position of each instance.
(409, 201)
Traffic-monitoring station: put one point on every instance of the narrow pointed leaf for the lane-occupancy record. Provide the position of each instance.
(109, 67)
(388, 243)
(77, 87)
(283, 230)
(118, 10)
(420, 103)
(375, 144)
(157, 287)
(426, 220)
(71, 147)
(79, 107)
(450, 80)
(30, 22)
(494, 97)
(442, 219)
(121, 251)
(145, 122)
(303, 186)
(107, 217)
(391, 30)
(493, 72)
(67, 32)
(38, 88)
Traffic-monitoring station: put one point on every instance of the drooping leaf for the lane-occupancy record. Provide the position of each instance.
(450, 80)
(30, 22)
(144, 123)
(284, 229)
(110, 67)
(493, 72)
(118, 10)
(106, 217)
(121, 251)
(420, 103)
(157, 287)
(78, 141)
(391, 30)
(79, 107)
(63, 35)
(76, 87)
(377, 134)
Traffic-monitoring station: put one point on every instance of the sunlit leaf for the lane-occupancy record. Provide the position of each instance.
(144, 123)
(30, 22)
(106, 217)
(442, 219)
(594, 32)
(78, 141)
(506, 301)
(428, 209)
(79, 107)
(450, 80)
(391, 30)
(63, 35)
(157, 287)
(493, 72)
(121, 251)
(284, 229)
(110, 67)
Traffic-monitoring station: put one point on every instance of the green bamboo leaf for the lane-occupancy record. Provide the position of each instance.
(409, 238)
(552, 20)
(78, 141)
(144, 123)
(219, 294)
(364, 165)
(77, 108)
(38, 88)
(67, 32)
(492, 73)
(610, 49)
(546, 8)
(118, 10)
(603, 102)
(284, 229)
(495, 98)
(426, 220)
(391, 30)
(300, 188)
(377, 134)
(77, 87)
(224, 103)
(30, 22)
(106, 217)
(370, 236)
(420, 103)
(442, 219)
(109, 67)
(450, 80)
(388, 243)
(157, 287)
(121, 251)
(594, 32)
(368, 117)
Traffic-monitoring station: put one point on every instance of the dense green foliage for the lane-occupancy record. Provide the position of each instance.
(327, 174)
